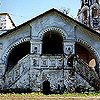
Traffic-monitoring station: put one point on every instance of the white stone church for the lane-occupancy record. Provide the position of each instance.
(52, 52)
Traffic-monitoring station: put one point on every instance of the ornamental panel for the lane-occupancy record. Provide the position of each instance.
(44, 63)
(35, 48)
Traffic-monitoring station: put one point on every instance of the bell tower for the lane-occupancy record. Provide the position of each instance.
(89, 15)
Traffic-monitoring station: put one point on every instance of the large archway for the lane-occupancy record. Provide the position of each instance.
(17, 53)
(52, 43)
(86, 55)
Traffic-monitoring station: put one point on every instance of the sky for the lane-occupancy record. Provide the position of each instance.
(24, 10)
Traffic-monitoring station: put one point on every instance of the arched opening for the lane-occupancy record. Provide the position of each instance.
(17, 53)
(95, 12)
(46, 87)
(85, 54)
(85, 15)
(95, 15)
(52, 43)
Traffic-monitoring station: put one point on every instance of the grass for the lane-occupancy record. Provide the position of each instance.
(39, 94)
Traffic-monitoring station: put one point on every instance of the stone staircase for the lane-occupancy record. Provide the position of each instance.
(22, 68)
(87, 73)
(17, 72)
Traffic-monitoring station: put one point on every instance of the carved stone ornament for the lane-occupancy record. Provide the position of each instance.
(68, 49)
(36, 48)
(44, 63)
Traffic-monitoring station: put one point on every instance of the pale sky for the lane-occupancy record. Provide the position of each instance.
(23, 10)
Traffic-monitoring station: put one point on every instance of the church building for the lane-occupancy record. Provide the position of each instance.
(52, 52)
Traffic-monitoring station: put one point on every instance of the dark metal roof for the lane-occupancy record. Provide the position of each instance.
(51, 10)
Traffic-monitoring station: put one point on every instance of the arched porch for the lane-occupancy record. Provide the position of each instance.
(17, 53)
(86, 55)
(52, 43)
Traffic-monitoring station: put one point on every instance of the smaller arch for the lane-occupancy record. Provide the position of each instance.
(92, 51)
(9, 48)
(95, 12)
(85, 14)
(82, 51)
(17, 53)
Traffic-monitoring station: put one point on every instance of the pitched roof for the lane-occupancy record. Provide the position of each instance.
(51, 10)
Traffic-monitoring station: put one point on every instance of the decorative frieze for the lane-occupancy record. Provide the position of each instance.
(48, 61)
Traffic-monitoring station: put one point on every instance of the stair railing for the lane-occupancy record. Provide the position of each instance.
(88, 73)
(17, 71)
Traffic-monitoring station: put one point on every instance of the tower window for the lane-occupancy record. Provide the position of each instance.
(94, 12)
(85, 15)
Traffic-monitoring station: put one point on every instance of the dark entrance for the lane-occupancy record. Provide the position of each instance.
(52, 43)
(46, 87)
(87, 56)
(18, 53)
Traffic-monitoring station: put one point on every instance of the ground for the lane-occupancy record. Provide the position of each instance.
(40, 96)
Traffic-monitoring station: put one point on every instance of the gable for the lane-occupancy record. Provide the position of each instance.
(51, 11)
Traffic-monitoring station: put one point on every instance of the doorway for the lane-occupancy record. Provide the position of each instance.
(46, 87)
(52, 43)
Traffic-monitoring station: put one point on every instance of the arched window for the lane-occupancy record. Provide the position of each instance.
(85, 15)
(52, 43)
(94, 12)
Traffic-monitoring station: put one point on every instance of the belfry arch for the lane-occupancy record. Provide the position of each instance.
(52, 43)
(18, 52)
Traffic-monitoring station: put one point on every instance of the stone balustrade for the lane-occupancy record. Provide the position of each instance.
(17, 71)
(86, 72)
(45, 61)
